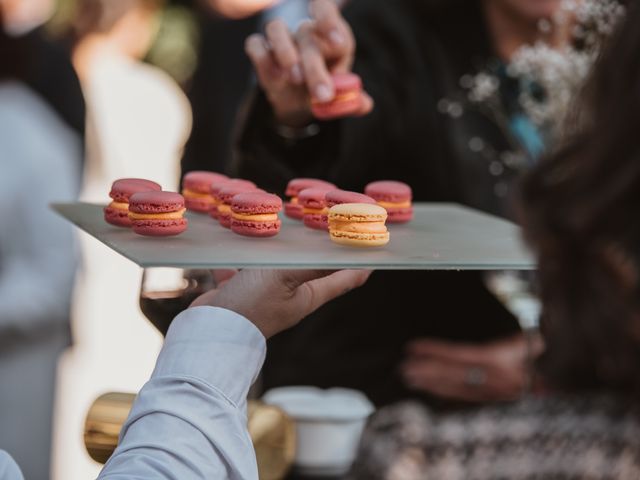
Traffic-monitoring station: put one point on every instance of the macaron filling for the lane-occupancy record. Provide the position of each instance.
(119, 206)
(133, 216)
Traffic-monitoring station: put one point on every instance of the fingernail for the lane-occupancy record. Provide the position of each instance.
(296, 74)
(336, 37)
(323, 93)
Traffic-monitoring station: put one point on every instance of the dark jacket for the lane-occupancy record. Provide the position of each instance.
(411, 55)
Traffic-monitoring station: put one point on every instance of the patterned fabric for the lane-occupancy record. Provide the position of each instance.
(588, 437)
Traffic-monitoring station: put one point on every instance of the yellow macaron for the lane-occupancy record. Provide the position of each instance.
(358, 225)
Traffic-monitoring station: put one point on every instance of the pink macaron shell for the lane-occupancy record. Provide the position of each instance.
(197, 204)
(399, 215)
(226, 194)
(256, 203)
(317, 221)
(156, 202)
(336, 109)
(389, 191)
(119, 218)
(344, 82)
(255, 229)
(123, 188)
(225, 220)
(293, 210)
(200, 181)
(160, 228)
(216, 187)
(295, 186)
(314, 197)
(337, 197)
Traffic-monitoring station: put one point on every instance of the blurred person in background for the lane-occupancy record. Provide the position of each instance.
(49, 72)
(138, 119)
(414, 57)
(40, 156)
(578, 210)
(137, 122)
(224, 75)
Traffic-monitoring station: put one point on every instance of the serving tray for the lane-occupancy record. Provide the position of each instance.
(441, 237)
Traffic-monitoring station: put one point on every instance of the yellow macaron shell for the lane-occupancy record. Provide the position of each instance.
(358, 224)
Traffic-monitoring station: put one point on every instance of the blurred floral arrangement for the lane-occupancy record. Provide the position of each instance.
(550, 76)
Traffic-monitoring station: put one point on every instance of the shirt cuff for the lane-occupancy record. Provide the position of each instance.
(217, 346)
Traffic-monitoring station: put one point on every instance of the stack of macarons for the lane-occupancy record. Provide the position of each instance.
(395, 197)
(292, 208)
(117, 212)
(358, 225)
(196, 189)
(157, 213)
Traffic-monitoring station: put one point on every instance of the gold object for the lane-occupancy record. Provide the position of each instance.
(272, 432)
(103, 423)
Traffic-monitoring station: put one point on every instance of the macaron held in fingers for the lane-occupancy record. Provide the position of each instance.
(157, 214)
(347, 98)
(255, 214)
(358, 225)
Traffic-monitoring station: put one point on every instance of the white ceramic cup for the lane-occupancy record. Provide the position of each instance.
(329, 424)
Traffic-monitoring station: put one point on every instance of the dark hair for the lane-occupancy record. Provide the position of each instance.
(13, 54)
(101, 15)
(580, 213)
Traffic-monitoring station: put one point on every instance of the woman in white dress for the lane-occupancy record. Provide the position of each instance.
(138, 121)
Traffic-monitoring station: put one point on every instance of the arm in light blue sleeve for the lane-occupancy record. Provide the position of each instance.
(189, 420)
(9, 470)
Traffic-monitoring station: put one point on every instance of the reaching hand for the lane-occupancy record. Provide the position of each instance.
(275, 300)
(496, 371)
(291, 68)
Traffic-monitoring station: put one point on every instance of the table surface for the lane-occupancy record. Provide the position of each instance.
(441, 237)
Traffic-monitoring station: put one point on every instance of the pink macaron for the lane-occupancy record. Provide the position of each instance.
(196, 189)
(117, 212)
(217, 187)
(157, 214)
(225, 196)
(347, 100)
(395, 197)
(314, 207)
(337, 197)
(291, 208)
(255, 214)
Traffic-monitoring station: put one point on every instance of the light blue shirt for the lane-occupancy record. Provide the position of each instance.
(189, 420)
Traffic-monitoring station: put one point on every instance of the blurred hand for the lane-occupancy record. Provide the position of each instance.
(237, 9)
(497, 371)
(275, 300)
(291, 68)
